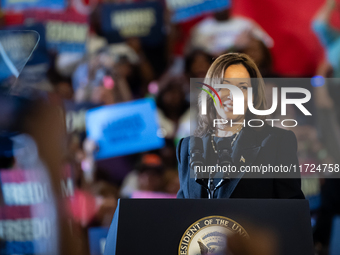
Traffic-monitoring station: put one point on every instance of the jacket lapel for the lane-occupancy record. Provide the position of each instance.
(245, 151)
(195, 189)
(246, 148)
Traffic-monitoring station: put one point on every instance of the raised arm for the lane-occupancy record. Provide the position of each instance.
(324, 31)
(325, 12)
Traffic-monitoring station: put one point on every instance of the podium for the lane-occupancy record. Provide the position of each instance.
(183, 226)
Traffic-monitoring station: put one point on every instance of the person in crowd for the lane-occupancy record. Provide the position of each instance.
(257, 50)
(327, 106)
(107, 197)
(150, 174)
(102, 80)
(328, 35)
(243, 145)
(168, 154)
(171, 185)
(147, 177)
(219, 33)
(327, 112)
(173, 109)
(197, 63)
(142, 70)
(311, 152)
(62, 85)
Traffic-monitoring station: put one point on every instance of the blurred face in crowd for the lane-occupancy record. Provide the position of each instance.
(123, 69)
(199, 66)
(150, 180)
(172, 182)
(173, 97)
(254, 50)
(222, 15)
(64, 90)
(238, 76)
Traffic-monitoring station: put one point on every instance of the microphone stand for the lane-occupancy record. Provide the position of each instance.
(198, 160)
(224, 157)
(211, 187)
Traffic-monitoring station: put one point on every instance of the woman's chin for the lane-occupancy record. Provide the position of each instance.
(227, 115)
(234, 118)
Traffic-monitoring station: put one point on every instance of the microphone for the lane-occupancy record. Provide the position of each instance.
(224, 151)
(197, 160)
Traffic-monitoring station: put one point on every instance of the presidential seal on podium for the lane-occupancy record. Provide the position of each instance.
(209, 236)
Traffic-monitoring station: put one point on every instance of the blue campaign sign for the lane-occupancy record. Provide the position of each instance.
(26, 4)
(143, 20)
(66, 36)
(65, 31)
(188, 9)
(97, 240)
(124, 128)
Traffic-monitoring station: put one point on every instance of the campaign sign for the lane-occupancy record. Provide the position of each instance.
(124, 128)
(126, 20)
(65, 31)
(183, 10)
(97, 240)
(25, 4)
(28, 220)
(64, 36)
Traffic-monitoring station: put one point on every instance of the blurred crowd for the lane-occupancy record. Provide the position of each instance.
(112, 73)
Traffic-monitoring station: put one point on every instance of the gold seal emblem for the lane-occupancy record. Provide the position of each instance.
(209, 236)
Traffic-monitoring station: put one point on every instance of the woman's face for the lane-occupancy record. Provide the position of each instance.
(236, 75)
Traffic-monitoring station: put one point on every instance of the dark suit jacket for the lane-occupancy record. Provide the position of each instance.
(268, 146)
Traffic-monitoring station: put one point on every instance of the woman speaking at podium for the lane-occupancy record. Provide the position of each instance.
(238, 145)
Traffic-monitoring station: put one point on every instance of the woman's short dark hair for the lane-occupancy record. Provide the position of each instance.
(215, 76)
